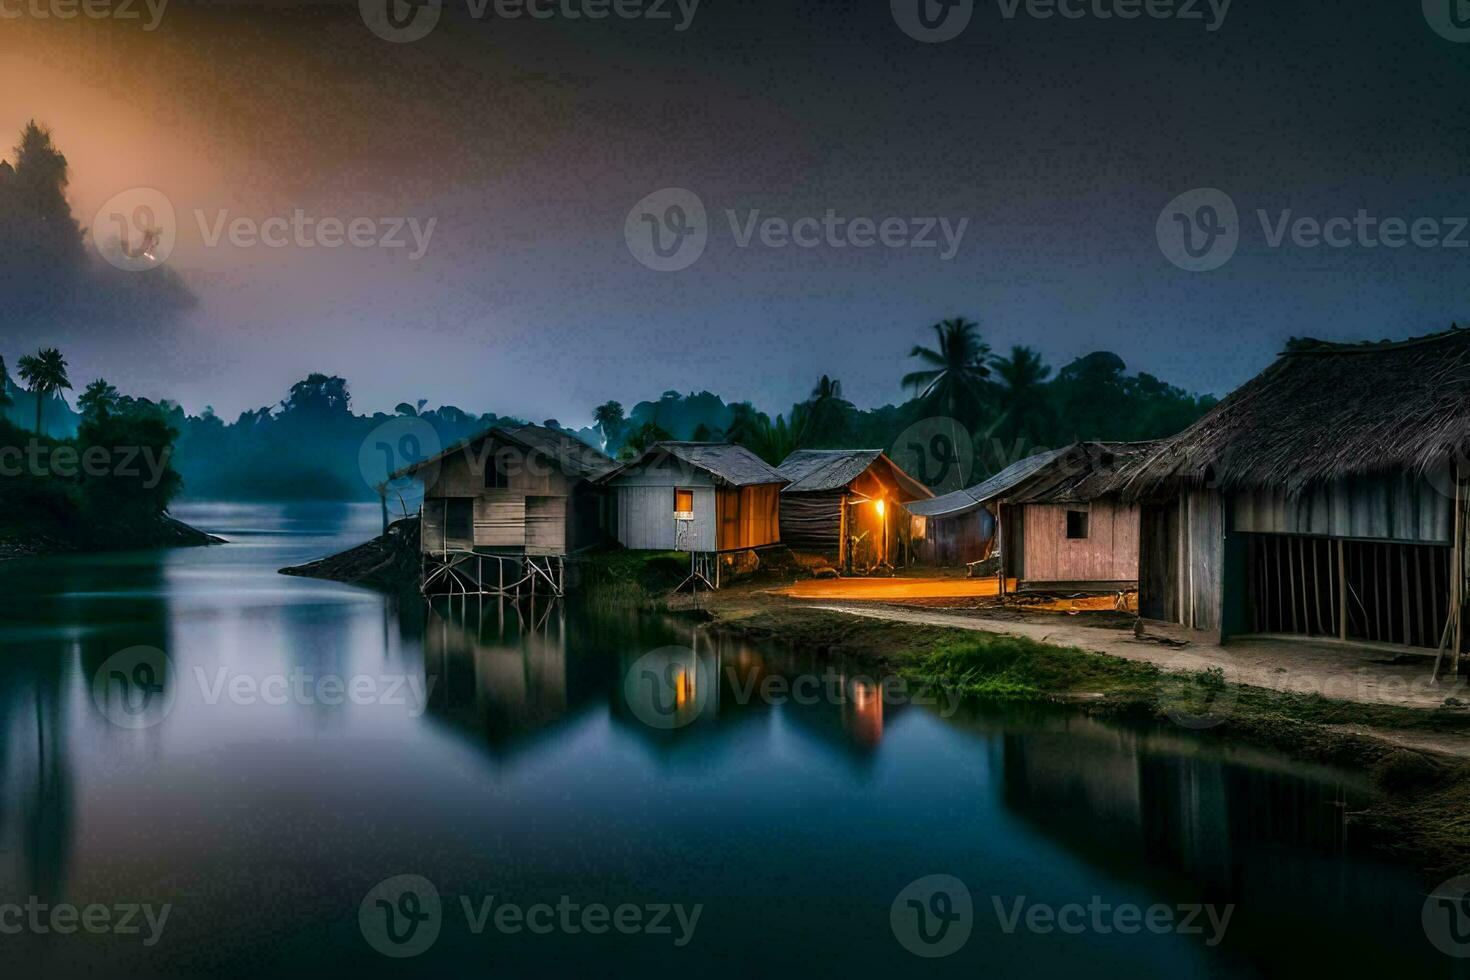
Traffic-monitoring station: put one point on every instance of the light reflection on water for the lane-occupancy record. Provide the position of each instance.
(532, 753)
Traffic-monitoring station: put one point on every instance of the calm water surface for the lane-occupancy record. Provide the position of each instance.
(502, 753)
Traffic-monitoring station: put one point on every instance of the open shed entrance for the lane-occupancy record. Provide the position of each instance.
(1375, 591)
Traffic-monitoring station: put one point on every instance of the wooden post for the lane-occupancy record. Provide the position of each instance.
(1342, 593)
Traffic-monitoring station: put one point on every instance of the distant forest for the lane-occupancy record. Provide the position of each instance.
(310, 445)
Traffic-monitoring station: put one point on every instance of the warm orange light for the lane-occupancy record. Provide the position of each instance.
(684, 689)
(880, 507)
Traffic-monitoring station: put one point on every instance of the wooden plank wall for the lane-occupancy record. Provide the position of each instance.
(1203, 538)
(546, 525)
(646, 517)
(1109, 553)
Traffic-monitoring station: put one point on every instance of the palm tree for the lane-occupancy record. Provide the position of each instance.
(1027, 411)
(608, 417)
(826, 413)
(44, 372)
(954, 381)
(98, 400)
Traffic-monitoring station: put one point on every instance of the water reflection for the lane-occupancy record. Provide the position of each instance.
(1200, 823)
(791, 794)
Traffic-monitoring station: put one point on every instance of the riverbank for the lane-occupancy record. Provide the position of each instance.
(1417, 757)
(28, 540)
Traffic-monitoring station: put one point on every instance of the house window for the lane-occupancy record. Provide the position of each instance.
(1076, 524)
(495, 476)
(459, 519)
(683, 501)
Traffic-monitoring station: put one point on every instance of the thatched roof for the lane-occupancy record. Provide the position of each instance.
(816, 470)
(571, 455)
(1321, 412)
(960, 501)
(728, 463)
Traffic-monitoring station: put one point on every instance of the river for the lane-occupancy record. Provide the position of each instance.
(313, 780)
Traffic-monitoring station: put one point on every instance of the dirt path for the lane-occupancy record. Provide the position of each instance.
(1342, 673)
(889, 589)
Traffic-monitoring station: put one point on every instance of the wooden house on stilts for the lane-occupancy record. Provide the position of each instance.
(716, 501)
(847, 506)
(1325, 498)
(504, 508)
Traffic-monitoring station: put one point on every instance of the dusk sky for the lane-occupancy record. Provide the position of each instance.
(1057, 142)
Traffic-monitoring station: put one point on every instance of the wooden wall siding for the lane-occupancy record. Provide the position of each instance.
(462, 474)
(645, 517)
(812, 521)
(500, 519)
(1158, 562)
(1109, 553)
(748, 517)
(1399, 507)
(951, 541)
(1203, 539)
(546, 525)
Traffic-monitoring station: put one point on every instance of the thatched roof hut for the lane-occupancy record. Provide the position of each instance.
(1324, 412)
(1318, 499)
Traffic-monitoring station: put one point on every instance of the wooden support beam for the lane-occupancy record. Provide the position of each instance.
(1342, 604)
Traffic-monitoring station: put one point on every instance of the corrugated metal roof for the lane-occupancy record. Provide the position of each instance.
(811, 470)
(732, 464)
(971, 497)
